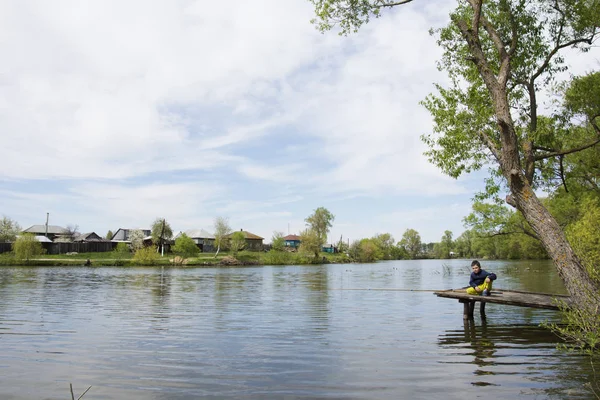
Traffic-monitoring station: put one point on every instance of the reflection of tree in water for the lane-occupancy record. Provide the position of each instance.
(317, 281)
(483, 347)
(161, 287)
(530, 275)
(522, 350)
(160, 290)
(231, 286)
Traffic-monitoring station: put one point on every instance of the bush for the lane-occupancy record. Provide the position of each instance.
(185, 246)
(146, 256)
(26, 247)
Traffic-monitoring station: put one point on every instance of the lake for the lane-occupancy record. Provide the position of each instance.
(351, 331)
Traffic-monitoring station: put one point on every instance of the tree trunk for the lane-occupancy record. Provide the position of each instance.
(576, 278)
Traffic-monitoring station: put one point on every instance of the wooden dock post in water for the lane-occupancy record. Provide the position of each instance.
(501, 296)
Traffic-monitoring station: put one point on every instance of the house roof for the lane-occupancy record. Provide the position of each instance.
(247, 235)
(197, 234)
(53, 229)
(41, 239)
(85, 236)
(291, 237)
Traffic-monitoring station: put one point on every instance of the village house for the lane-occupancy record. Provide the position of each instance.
(203, 239)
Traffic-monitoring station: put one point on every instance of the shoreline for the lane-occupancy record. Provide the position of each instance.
(225, 261)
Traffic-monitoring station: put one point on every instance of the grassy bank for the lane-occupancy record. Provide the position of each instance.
(203, 260)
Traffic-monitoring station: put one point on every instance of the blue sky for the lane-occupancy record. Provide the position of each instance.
(114, 113)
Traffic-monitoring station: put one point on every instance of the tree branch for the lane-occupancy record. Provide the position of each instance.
(383, 3)
(503, 54)
(490, 145)
(565, 152)
(507, 233)
(562, 173)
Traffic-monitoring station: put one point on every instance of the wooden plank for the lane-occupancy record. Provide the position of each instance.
(510, 297)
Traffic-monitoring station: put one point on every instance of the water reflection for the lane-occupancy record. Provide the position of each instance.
(335, 331)
(508, 355)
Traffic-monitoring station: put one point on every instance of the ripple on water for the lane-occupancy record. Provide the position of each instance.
(270, 332)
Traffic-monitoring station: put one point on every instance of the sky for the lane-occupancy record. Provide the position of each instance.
(114, 113)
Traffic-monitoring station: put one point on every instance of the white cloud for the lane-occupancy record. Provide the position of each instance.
(113, 113)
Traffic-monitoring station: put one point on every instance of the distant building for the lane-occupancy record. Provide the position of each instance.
(292, 241)
(50, 231)
(122, 235)
(253, 242)
(89, 237)
(329, 248)
(203, 239)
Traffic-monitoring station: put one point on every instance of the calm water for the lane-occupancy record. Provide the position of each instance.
(361, 331)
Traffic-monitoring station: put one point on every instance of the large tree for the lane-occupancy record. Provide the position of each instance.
(310, 242)
(411, 243)
(385, 242)
(136, 237)
(320, 222)
(222, 228)
(161, 231)
(9, 229)
(237, 242)
(185, 246)
(500, 55)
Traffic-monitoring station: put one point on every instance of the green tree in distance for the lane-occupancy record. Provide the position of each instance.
(277, 241)
(237, 242)
(464, 244)
(385, 243)
(26, 247)
(310, 242)
(161, 231)
(222, 228)
(411, 243)
(320, 221)
(9, 229)
(446, 244)
(500, 55)
(136, 237)
(109, 235)
(185, 246)
(121, 252)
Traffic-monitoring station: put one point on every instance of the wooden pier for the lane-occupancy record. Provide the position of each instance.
(501, 296)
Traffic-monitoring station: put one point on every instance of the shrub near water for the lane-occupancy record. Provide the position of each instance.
(146, 256)
(26, 247)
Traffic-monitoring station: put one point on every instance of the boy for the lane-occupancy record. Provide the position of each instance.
(481, 280)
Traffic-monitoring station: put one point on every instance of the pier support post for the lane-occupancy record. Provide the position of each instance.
(468, 308)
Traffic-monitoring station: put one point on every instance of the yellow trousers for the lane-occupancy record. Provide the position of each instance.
(485, 285)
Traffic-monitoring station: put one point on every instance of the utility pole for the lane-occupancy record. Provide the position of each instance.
(47, 217)
(162, 245)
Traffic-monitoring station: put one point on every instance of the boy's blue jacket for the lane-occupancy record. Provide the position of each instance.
(478, 279)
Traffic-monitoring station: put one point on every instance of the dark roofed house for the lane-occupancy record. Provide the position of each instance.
(53, 231)
(89, 237)
(253, 242)
(122, 235)
(292, 241)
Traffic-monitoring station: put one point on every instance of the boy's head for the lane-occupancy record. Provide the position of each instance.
(475, 266)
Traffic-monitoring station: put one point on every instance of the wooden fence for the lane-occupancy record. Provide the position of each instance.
(62, 248)
(5, 247)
